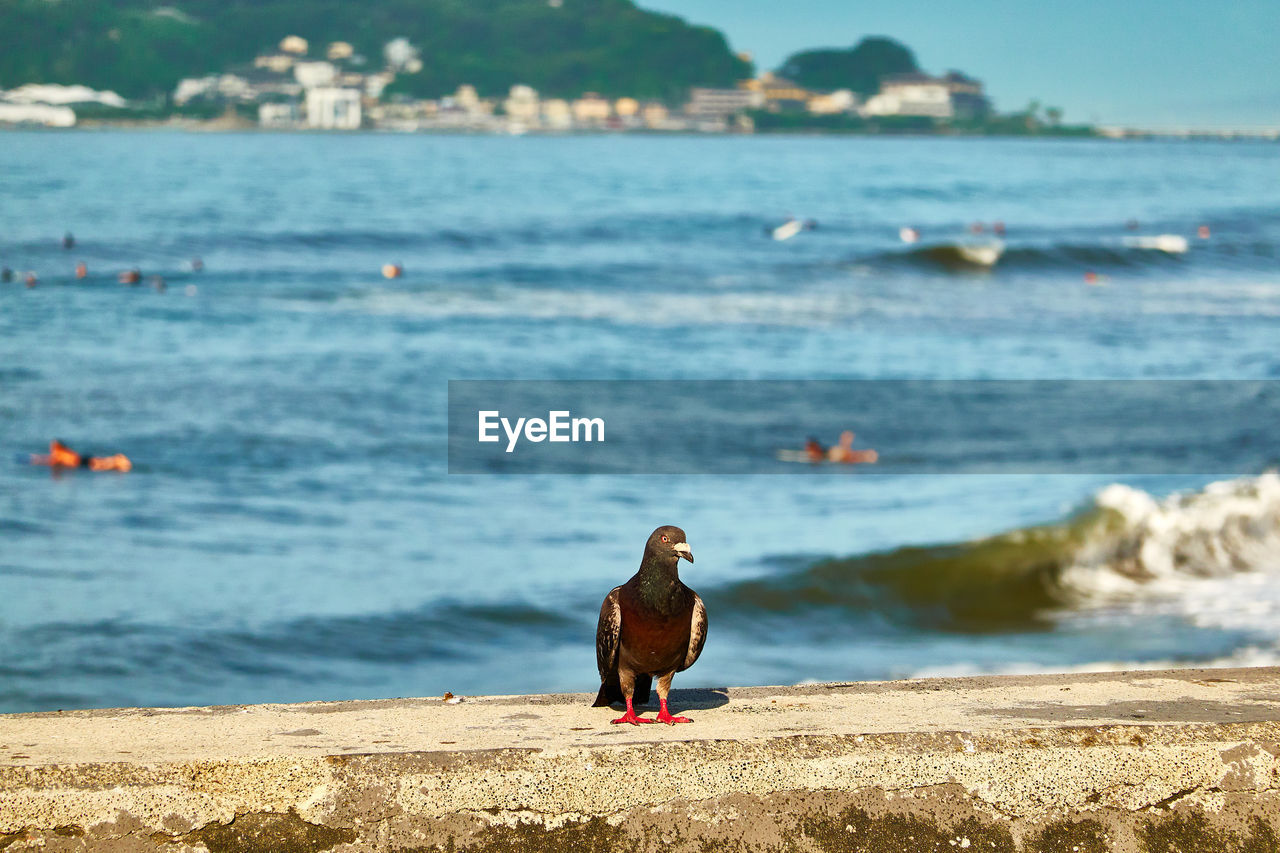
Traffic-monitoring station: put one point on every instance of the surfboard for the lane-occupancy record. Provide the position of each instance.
(788, 229)
(1170, 244)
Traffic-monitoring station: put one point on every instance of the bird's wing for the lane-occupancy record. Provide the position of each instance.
(697, 633)
(608, 632)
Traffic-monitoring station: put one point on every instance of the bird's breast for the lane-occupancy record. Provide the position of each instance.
(655, 642)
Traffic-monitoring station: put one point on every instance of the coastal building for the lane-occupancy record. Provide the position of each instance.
(592, 110)
(191, 88)
(296, 45)
(403, 115)
(557, 114)
(58, 95)
(213, 87)
(248, 85)
(331, 108)
(279, 115)
(522, 105)
(339, 50)
(719, 104)
(47, 115)
(655, 115)
(374, 84)
(968, 100)
(466, 110)
(349, 80)
(467, 99)
(313, 75)
(778, 94)
(280, 63)
(911, 95)
(833, 103)
(914, 94)
(401, 55)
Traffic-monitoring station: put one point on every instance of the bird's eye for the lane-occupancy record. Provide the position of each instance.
(665, 539)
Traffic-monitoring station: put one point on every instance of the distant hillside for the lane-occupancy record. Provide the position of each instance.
(857, 68)
(141, 48)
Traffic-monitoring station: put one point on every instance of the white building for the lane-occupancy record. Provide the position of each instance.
(190, 88)
(52, 93)
(952, 96)
(294, 44)
(333, 109)
(400, 54)
(226, 86)
(375, 83)
(591, 109)
(45, 114)
(834, 103)
(522, 105)
(315, 75)
(720, 103)
(656, 116)
(557, 114)
(467, 99)
(280, 63)
(911, 95)
(340, 50)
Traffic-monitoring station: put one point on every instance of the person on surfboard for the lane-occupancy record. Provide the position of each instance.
(61, 456)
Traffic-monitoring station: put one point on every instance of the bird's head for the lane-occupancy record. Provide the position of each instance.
(667, 543)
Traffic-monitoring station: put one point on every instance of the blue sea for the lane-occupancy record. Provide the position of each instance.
(291, 530)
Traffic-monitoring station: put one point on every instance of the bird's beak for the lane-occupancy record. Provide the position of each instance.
(682, 550)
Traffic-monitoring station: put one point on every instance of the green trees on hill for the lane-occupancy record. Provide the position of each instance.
(142, 48)
(605, 46)
(858, 68)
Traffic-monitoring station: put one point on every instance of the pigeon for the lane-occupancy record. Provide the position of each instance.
(651, 626)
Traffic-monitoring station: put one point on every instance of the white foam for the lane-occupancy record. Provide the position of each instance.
(1211, 556)
(1242, 657)
(823, 308)
(1172, 244)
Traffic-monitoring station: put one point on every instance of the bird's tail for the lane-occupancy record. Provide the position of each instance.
(611, 692)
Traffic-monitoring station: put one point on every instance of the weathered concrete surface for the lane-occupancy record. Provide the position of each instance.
(1154, 761)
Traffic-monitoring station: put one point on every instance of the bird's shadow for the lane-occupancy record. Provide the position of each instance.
(691, 699)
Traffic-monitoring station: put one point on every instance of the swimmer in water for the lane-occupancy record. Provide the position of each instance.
(61, 456)
(844, 452)
(814, 450)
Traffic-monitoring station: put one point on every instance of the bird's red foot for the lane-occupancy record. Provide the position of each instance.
(630, 717)
(664, 716)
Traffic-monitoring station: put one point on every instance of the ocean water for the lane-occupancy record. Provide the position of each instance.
(291, 531)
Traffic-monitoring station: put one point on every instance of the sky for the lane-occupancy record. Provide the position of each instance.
(1138, 63)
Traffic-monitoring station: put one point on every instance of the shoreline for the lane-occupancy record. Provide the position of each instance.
(1099, 134)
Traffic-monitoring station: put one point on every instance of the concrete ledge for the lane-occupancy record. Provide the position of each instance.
(1149, 761)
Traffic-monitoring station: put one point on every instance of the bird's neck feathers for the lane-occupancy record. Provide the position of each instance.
(658, 578)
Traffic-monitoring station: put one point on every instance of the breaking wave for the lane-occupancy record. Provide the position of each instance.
(1210, 555)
